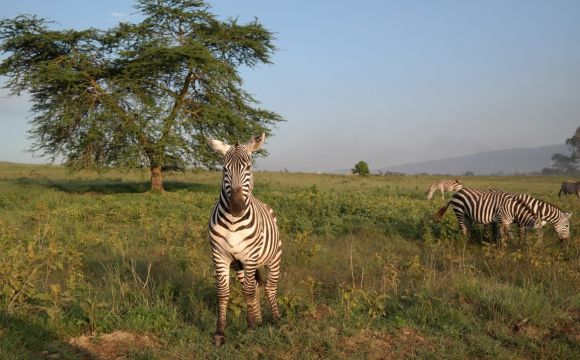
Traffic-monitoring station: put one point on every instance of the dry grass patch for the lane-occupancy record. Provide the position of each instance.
(115, 345)
(372, 344)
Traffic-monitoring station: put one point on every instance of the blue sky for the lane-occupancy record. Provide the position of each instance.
(388, 82)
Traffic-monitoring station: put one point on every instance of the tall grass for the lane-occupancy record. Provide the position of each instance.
(366, 273)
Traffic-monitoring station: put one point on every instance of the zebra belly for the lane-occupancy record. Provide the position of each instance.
(484, 218)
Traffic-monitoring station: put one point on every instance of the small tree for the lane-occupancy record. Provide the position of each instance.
(138, 94)
(563, 164)
(361, 168)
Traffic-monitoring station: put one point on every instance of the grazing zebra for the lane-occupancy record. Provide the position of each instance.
(570, 187)
(547, 213)
(485, 207)
(444, 185)
(243, 235)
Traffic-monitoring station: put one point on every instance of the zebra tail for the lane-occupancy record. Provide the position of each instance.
(439, 214)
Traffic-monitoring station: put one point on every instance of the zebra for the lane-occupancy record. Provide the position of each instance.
(546, 213)
(444, 185)
(243, 235)
(485, 207)
(570, 187)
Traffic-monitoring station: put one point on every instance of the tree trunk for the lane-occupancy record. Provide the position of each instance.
(156, 179)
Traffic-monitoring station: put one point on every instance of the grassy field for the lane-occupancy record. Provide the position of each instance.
(94, 266)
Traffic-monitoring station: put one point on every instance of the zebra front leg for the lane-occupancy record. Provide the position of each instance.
(250, 289)
(503, 228)
(223, 295)
(464, 225)
(271, 288)
(539, 234)
(522, 233)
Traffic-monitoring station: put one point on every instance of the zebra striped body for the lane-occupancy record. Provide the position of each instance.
(570, 187)
(444, 185)
(547, 213)
(243, 235)
(485, 207)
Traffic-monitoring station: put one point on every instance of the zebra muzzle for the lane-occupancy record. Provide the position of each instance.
(236, 201)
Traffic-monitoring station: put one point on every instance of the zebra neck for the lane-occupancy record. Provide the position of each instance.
(549, 212)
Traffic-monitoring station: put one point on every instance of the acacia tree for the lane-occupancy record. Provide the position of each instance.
(574, 145)
(137, 94)
(568, 164)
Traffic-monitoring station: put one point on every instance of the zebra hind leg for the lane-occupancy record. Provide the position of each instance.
(271, 289)
(503, 228)
(464, 225)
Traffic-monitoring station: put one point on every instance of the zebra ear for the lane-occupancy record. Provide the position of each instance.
(218, 146)
(568, 214)
(256, 143)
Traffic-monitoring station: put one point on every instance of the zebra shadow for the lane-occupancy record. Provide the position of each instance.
(153, 283)
(35, 340)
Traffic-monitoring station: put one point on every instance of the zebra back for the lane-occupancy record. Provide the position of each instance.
(489, 206)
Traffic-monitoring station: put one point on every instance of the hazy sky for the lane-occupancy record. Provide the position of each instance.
(387, 82)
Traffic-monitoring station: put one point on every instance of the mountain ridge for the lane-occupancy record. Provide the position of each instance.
(506, 161)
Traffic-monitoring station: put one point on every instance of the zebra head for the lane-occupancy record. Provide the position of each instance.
(562, 226)
(237, 183)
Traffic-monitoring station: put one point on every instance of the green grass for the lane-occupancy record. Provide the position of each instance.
(366, 273)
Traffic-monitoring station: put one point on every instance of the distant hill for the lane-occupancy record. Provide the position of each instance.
(510, 161)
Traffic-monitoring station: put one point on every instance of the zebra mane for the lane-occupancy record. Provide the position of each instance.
(519, 197)
(542, 201)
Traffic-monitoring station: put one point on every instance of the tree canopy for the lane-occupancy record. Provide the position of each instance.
(567, 164)
(361, 168)
(138, 94)
(574, 145)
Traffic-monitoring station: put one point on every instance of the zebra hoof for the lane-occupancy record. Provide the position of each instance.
(218, 339)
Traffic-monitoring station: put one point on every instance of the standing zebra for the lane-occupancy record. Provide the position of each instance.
(570, 187)
(243, 235)
(485, 207)
(444, 185)
(546, 213)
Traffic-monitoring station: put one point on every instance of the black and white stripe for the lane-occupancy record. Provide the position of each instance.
(444, 185)
(547, 213)
(485, 207)
(570, 188)
(243, 236)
